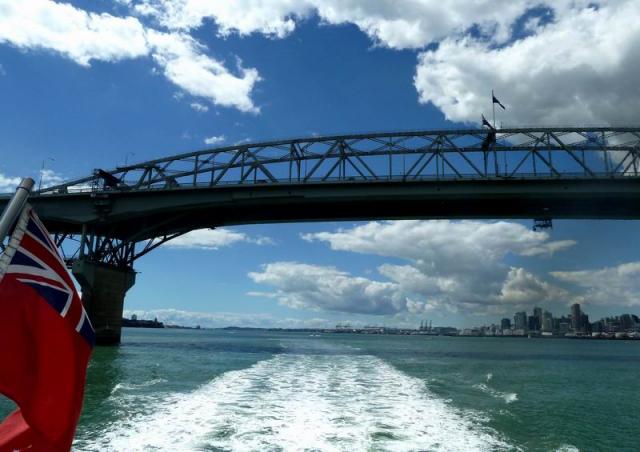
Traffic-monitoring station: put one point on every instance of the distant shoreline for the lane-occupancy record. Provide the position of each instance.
(401, 332)
(379, 332)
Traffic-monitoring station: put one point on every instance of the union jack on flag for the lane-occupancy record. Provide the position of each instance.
(32, 258)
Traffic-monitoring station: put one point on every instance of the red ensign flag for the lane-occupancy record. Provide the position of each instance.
(45, 342)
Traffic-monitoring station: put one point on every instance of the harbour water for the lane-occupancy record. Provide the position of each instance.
(264, 391)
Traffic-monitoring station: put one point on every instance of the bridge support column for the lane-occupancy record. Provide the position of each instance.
(103, 290)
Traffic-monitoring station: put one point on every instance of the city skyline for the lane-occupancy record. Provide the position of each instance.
(577, 322)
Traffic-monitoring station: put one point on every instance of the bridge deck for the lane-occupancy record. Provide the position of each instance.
(147, 213)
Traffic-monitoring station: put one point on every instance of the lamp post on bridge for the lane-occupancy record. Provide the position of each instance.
(42, 171)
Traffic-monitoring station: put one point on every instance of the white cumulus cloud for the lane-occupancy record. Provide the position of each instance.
(617, 285)
(185, 63)
(49, 178)
(8, 184)
(465, 244)
(270, 17)
(580, 68)
(548, 248)
(524, 288)
(213, 239)
(551, 62)
(215, 139)
(398, 24)
(454, 264)
(305, 286)
(84, 37)
(223, 319)
(200, 108)
(45, 178)
(61, 27)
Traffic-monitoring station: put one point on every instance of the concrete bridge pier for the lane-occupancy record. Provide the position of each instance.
(103, 290)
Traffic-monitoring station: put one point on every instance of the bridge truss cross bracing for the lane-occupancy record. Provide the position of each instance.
(476, 154)
(518, 154)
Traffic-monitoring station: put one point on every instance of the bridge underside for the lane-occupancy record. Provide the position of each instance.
(144, 214)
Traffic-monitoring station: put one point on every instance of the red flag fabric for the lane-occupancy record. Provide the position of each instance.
(17, 435)
(45, 342)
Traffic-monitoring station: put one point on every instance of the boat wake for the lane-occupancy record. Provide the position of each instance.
(304, 402)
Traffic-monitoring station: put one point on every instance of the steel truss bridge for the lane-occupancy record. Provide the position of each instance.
(117, 216)
(104, 222)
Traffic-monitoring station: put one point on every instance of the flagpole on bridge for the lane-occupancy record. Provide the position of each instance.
(493, 106)
(15, 206)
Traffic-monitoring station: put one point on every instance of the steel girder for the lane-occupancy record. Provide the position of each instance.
(475, 154)
(107, 250)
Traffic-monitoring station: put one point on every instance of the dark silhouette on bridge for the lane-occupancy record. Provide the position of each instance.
(115, 217)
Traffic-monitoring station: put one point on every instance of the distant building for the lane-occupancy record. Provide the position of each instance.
(576, 317)
(547, 322)
(612, 324)
(470, 332)
(597, 327)
(505, 324)
(585, 326)
(626, 322)
(520, 321)
(445, 330)
(133, 322)
(537, 313)
(533, 324)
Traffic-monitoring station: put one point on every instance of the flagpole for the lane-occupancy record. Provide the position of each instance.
(493, 106)
(14, 206)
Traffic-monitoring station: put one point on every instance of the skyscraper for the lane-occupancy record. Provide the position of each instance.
(537, 313)
(576, 317)
(505, 324)
(547, 322)
(520, 321)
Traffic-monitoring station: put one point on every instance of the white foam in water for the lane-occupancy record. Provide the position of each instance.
(508, 397)
(132, 386)
(567, 448)
(310, 402)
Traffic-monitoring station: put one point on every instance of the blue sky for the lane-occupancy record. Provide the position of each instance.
(92, 84)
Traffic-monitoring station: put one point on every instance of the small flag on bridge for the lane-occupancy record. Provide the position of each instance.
(496, 101)
(46, 340)
(486, 123)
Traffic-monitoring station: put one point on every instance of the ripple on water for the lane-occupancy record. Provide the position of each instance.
(508, 397)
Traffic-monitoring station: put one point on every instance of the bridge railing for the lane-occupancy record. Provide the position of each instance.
(476, 154)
